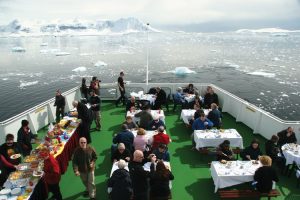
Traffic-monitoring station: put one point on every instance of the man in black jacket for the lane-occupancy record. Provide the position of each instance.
(120, 183)
(286, 136)
(95, 102)
(83, 114)
(161, 98)
(210, 97)
(139, 176)
(60, 103)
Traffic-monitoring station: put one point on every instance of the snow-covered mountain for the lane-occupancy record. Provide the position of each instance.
(75, 27)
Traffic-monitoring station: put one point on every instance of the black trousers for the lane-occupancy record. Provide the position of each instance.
(122, 97)
(59, 112)
(54, 188)
(84, 131)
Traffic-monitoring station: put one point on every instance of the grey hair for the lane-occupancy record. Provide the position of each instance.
(122, 164)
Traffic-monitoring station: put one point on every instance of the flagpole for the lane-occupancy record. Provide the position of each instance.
(147, 66)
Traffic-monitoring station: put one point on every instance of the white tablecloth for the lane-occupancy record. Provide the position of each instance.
(160, 113)
(291, 153)
(225, 175)
(141, 96)
(189, 98)
(214, 137)
(188, 114)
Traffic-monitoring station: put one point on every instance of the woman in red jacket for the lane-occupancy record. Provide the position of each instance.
(52, 176)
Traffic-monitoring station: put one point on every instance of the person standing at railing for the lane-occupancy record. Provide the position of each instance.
(60, 103)
(84, 89)
(95, 102)
(25, 136)
(121, 85)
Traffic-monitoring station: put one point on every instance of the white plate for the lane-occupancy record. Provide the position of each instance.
(16, 191)
(15, 156)
(37, 173)
(5, 191)
(3, 197)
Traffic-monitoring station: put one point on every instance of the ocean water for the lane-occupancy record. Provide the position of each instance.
(262, 68)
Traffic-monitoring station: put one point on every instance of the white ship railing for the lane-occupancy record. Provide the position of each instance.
(255, 118)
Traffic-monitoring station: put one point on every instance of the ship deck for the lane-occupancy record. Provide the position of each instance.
(190, 168)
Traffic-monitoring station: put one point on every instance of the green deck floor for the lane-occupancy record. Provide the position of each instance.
(191, 169)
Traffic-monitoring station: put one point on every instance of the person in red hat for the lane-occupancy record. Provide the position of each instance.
(52, 175)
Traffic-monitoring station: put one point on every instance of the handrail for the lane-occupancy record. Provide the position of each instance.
(36, 107)
(257, 108)
(104, 85)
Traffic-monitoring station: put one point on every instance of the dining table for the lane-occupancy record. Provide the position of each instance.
(214, 137)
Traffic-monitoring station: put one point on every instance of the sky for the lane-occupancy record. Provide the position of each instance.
(169, 14)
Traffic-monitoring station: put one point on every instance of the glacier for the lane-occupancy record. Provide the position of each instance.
(17, 28)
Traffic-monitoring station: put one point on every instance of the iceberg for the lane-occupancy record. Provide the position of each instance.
(79, 69)
(100, 63)
(183, 71)
(24, 84)
(261, 73)
(44, 44)
(61, 53)
(18, 49)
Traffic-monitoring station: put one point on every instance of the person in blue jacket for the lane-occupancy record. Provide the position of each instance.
(202, 123)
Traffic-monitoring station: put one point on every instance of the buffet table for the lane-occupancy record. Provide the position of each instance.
(27, 181)
(214, 137)
(232, 173)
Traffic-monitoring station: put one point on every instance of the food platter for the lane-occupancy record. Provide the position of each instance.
(15, 175)
(23, 167)
(30, 158)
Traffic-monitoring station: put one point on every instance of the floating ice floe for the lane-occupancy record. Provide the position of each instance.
(264, 74)
(285, 95)
(18, 49)
(100, 63)
(4, 79)
(262, 93)
(183, 71)
(24, 84)
(275, 59)
(79, 69)
(85, 54)
(62, 53)
(44, 44)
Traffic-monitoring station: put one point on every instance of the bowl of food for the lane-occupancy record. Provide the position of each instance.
(223, 161)
(16, 191)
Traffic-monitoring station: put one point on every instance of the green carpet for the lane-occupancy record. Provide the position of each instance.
(190, 168)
